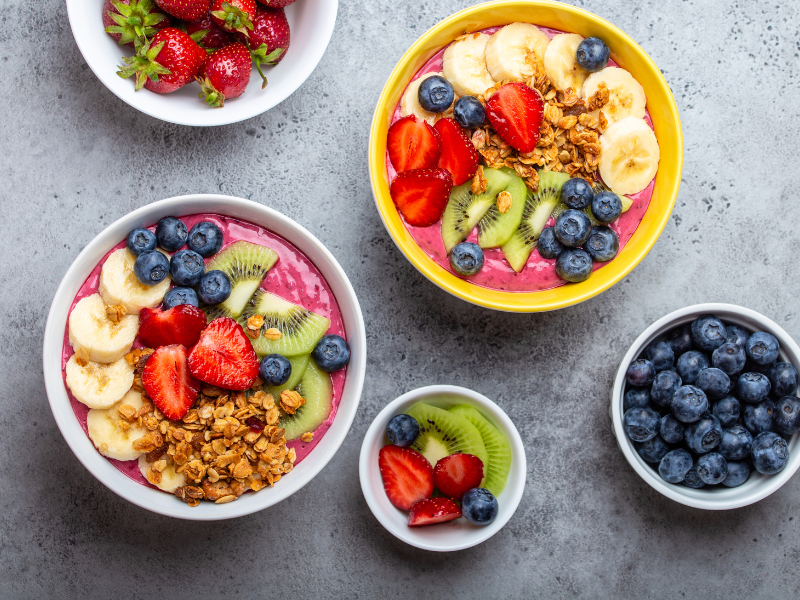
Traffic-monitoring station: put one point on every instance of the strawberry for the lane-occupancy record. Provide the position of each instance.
(515, 112)
(224, 356)
(458, 154)
(186, 10)
(131, 21)
(454, 475)
(269, 39)
(407, 475)
(180, 324)
(206, 33)
(168, 382)
(433, 510)
(421, 195)
(225, 75)
(413, 144)
(276, 3)
(168, 62)
(234, 15)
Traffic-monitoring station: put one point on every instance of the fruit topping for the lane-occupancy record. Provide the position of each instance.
(515, 112)
(98, 385)
(629, 156)
(513, 51)
(171, 233)
(234, 15)
(421, 195)
(572, 228)
(455, 474)
(168, 62)
(561, 63)
(120, 286)
(140, 240)
(101, 333)
(289, 329)
(409, 103)
(458, 154)
(112, 434)
(466, 259)
(169, 383)
(316, 389)
(464, 65)
(626, 96)
(181, 324)
(186, 267)
(504, 216)
(469, 112)
(180, 295)
(214, 288)
(331, 353)
(606, 207)
(435, 94)
(574, 265)
(479, 506)
(603, 244)
(577, 193)
(548, 244)
(402, 430)
(255, 424)
(443, 433)
(275, 369)
(225, 75)
(407, 476)
(151, 267)
(186, 10)
(413, 144)
(269, 40)
(592, 54)
(432, 511)
(497, 448)
(224, 356)
(205, 238)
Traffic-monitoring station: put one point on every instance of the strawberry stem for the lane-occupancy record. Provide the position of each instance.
(134, 21)
(143, 64)
(260, 55)
(235, 19)
(209, 94)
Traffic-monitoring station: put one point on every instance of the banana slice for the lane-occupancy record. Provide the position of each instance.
(113, 435)
(409, 103)
(99, 385)
(561, 65)
(464, 65)
(625, 95)
(118, 284)
(508, 50)
(95, 337)
(629, 156)
(170, 479)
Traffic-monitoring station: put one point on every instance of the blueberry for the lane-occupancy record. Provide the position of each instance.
(708, 333)
(753, 387)
(574, 265)
(214, 287)
(641, 423)
(735, 443)
(572, 228)
(692, 479)
(727, 410)
(577, 193)
(469, 112)
(640, 373)
(275, 369)
(762, 348)
(770, 453)
(466, 258)
(151, 267)
(592, 54)
(180, 295)
(689, 404)
(606, 207)
(689, 365)
(141, 240)
(548, 244)
(661, 355)
(331, 353)
(783, 379)
(703, 435)
(736, 335)
(665, 384)
(636, 396)
(186, 267)
(402, 430)
(786, 415)
(758, 417)
(603, 244)
(171, 233)
(435, 94)
(205, 238)
(729, 358)
(479, 506)
(671, 430)
(680, 339)
(653, 450)
(674, 466)
(738, 472)
(712, 468)
(752, 367)
(714, 383)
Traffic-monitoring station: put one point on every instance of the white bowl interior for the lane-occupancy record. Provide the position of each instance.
(757, 486)
(311, 24)
(458, 534)
(82, 446)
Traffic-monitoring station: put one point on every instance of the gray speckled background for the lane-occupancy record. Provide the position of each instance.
(73, 161)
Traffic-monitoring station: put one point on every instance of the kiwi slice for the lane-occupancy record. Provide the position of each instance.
(539, 206)
(496, 228)
(300, 328)
(442, 433)
(317, 388)
(299, 366)
(465, 209)
(246, 265)
(497, 447)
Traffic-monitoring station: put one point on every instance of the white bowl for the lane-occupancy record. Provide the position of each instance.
(758, 486)
(310, 21)
(155, 500)
(458, 534)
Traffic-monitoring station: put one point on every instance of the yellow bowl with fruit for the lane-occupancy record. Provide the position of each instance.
(625, 53)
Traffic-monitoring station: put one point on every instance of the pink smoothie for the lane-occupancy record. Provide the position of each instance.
(294, 277)
(496, 274)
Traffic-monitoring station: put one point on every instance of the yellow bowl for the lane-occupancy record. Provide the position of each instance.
(627, 54)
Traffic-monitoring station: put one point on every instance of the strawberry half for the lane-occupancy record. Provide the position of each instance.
(180, 324)
(224, 356)
(515, 111)
(168, 382)
(432, 511)
(413, 144)
(407, 476)
(421, 195)
(458, 154)
(458, 473)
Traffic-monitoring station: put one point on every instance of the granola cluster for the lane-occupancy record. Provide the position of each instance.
(254, 326)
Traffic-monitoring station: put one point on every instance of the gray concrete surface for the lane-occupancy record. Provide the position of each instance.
(75, 158)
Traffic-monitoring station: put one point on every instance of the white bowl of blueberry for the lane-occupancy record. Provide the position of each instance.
(705, 406)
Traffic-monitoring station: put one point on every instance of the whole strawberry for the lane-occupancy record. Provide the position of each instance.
(269, 39)
(131, 21)
(276, 3)
(168, 62)
(187, 10)
(206, 33)
(234, 15)
(225, 75)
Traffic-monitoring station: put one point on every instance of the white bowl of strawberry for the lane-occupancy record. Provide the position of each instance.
(178, 60)
(442, 468)
(204, 357)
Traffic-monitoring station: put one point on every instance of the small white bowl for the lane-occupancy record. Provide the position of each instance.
(458, 534)
(758, 486)
(311, 23)
(155, 500)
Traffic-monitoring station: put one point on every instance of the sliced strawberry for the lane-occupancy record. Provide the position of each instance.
(458, 154)
(180, 324)
(407, 476)
(515, 111)
(224, 356)
(454, 475)
(421, 195)
(432, 511)
(168, 382)
(413, 144)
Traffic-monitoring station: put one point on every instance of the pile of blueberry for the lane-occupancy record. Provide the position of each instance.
(711, 402)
